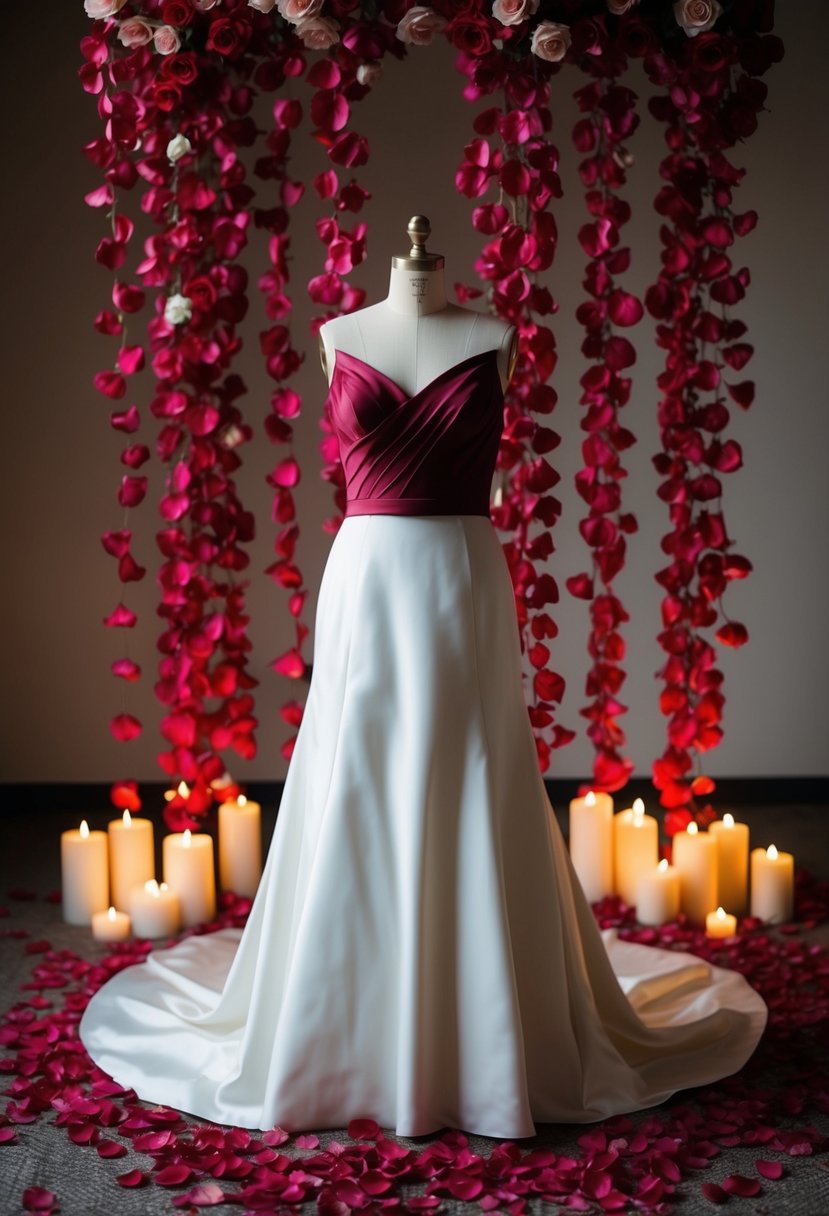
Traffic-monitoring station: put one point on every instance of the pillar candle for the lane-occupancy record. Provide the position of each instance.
(720, 924)
(131, 856)
(110, 926)
(240, 845)
(695, 856)
(732, 863)
(84, 874)
(635, 849)
(772, 885)
(657, 895)
(188, 870)
(591, 843)
(155, 910)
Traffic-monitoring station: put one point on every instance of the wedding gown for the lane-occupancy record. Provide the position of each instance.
(419, 950)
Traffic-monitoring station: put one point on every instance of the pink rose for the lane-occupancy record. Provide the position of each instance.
(513, 12)
(318, 33)
(166, 40)
(100, 9)
(264, 6)
(297, 11)
(620, 6)
(135, 31)
(369, 74)
(550, 41)
(696, 15)
(419, 26)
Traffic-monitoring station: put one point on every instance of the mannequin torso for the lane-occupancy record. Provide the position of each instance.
(415, 334)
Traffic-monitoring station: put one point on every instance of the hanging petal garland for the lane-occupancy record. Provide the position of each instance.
(173, 82)
(712, 100)
(610, 119)
(523, 239)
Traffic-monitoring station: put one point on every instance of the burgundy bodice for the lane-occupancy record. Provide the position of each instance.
(430, 454)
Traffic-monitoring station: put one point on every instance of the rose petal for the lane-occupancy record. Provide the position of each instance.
(37, 1199)
(131, 1178)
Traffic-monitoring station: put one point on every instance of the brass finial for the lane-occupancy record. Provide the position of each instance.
(419, 230)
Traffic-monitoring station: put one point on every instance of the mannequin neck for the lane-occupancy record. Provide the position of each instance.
(417, 292)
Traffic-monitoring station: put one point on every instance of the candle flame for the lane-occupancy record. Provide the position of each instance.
(163, 887)
(663, 865)
(127, 819)
(151, 887)
(720, 914)
(590, 800)
(728, 820)
(84, 829)
(692, 829)
(771, 852)
(242, 800)
(186, 838)
(183, 790)
(111, 914)
(638, 810)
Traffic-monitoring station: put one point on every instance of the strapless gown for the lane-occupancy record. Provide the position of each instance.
(419, 950)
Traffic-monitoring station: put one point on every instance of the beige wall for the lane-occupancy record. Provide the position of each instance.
(60, 458)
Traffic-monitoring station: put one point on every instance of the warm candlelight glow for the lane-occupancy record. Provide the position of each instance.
(728, 820)
(771, 852)
(590, 800)
(187, 838)
(151, 887)
(663, 865)
(84, 829)
(720, 914)
(183, 790)
(242, 800)
(692, 829)
(127, 819)
(638, 812)
(111, 914)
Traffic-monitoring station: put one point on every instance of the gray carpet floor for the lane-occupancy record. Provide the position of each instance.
(85, 1183)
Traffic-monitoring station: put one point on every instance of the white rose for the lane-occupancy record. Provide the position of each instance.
(178, 146)
(135, 31)
(178, 309)
(99, 9)
(297, 11)
(419, 26)
(165, 40)
(369, 74)
(264, 6)
(696, 16)
(318, 33)
(513, 12)
(550, 41)
(232, 436)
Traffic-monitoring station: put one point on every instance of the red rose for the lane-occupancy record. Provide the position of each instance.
(180, 68)
(710, 52)
(637, 39)
(176, 12)
(224, 37)
(166, 95)
(472, 34)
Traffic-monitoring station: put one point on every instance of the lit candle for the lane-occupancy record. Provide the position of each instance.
(110, 926)
(720, 924)
(591, 843)
(657, 896)
(188, 870)
(772, 885)
(155, 910)
(636, 849)
(131, 856)
(695, 855)
(84, 874)
(240, 845)
(732, 864)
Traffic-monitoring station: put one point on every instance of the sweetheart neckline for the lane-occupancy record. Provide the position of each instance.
(435, 379)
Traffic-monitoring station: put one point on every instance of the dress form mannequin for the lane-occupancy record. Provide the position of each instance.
(415, 334)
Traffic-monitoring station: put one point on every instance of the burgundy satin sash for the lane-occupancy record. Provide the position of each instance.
(430, 454)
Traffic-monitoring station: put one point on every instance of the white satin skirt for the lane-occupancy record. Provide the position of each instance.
(419, 950)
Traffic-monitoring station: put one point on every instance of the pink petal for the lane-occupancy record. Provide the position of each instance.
(126, 420)
(131, 1178)
(121, 617)
(307, 1141)
(205, 1195)
(126, 669)
(125, 727)
(111, 1148)
(173, 1175)
(363, 1129)
(714, 1193)
(37, 1199)
(131, 359)
(746, 1188)
(770, 1169)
